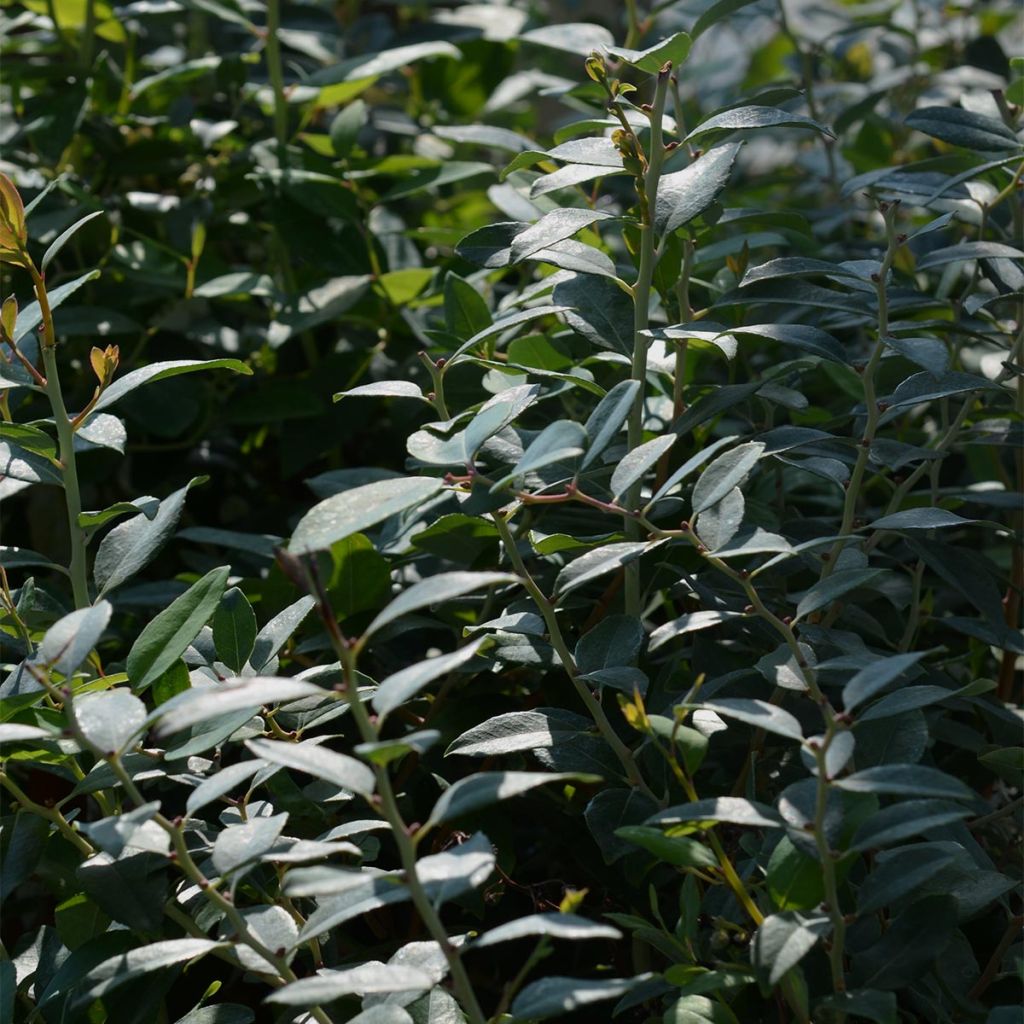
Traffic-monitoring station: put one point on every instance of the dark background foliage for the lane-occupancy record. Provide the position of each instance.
(301, 207)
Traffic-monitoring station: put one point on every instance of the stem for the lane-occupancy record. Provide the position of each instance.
(641, 305)
(593, 705)
(66, 441)
(51, 814)
(388, 808)
(853, 488)
(276, 74)
(183, 858)
(828, 864)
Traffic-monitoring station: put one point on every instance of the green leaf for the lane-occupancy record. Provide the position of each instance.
(560, 441)
(904, 820)
(486, 788)
(367, 979)
(130, 546)
(64, 237)
(680, 851)
(30, 317)
(906, 780)
(731, 810)
(674, 50)
(251, 692)
(132, 890)
(698, 1009)
(613, 642)
(554, 926)
(517, 731)
(346, 126)
(725, 473)
(880, 1007)
(316, 760)
(910, 945)
(686, 194)
(964, 128)
(143, 960)
(759, 714)
(876, 677)
(608, 417)
(373, 65)
(553, 227)
(277, 632)
(70, 640)
(715, 13)
(900, 872)
(234, 629)
(24, 842)
(807, 339)
(689, 623)
(435, 590)
(163, 371)
(238, 845)
(401, 686)
(170, 632)
(920, 519)
(573, 37)
(784, 939)
(716, 526)
(747, 118)
(594, 564)
(840, 583)
(465, 311)
(355, 510)
(220, 783)
(274, 928)
(637, 462)
(109, 720)
(325, 302)
(968, 251)
(598, 309)
(555, 996)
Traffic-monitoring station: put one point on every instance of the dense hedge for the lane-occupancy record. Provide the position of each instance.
(511, 512)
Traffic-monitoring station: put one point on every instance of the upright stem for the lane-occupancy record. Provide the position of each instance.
(400, 831)
(872, 412)
(66, 443)
(829, 876)
(593, 705)
(276, 73)
(641, 305)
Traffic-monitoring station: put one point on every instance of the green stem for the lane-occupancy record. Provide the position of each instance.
(388, 808)
(51, 814)
(66, 443)
(183, 858)
(593, 705)
(88, 36)
(872, 412)
(829, 875)
(641, 305)
(276, 73)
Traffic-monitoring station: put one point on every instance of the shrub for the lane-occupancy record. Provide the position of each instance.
(649, 649)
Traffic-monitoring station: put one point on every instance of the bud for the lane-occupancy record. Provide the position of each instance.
(12, 223)
(104, 363)
(595, 68)
(9, 316)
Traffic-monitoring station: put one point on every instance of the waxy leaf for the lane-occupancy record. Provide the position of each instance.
(168, 634)
(759, 714)
(783, 940)
(396, 689)
(234, 629)
(355, 510)
(555, 926)
(747, 118)
(686, 194)
(69, 641)
(318, 761)
(162, 371)
(109, 720)
(728, 809)
(486, 788)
